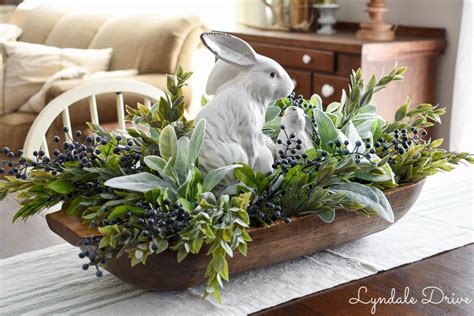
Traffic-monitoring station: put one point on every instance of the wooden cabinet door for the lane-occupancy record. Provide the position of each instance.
(329, 88)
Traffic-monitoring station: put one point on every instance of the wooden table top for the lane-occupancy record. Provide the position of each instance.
(451, 273)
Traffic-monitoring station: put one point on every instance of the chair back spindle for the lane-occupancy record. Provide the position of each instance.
(93, 110)
(120, 110)
(148, 103)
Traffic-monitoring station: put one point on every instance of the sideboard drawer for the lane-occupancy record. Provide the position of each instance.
(329, 88)
(302, 82)
(297, 57)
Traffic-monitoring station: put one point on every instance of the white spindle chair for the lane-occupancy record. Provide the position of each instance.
(60, 106)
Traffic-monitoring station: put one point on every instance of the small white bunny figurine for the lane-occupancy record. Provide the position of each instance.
(294, 122)
(243, 84)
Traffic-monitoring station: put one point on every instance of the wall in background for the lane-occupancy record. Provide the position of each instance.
(251, 12)
(462, 116)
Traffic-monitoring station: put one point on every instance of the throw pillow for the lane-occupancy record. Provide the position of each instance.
(27, 67)
(37, 102)
(9, 32)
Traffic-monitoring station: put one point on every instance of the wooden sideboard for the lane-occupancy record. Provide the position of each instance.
(322, 63)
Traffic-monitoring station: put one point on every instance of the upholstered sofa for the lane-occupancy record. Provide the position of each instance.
(153, 45)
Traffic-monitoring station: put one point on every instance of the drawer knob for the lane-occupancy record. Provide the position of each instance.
(294, 83)
(306, 59)
(327, 90)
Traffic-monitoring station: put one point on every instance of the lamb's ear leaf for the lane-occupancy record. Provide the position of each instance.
(328, 216)
(229, 48)
(272, 113)
(195, 143)
(168, 143)
(215, 176)
(140, 182)
(371, 199)
(155, 163)
(326, 129)
(182, 164)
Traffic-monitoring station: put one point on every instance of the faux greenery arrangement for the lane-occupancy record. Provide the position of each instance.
(145, 193)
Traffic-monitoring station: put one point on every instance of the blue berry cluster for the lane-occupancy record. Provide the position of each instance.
(11, 166)
(262, 211)
(158, 222)
(87, 151)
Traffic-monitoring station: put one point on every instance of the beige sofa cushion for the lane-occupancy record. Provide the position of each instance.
(152, 45)
(75, 30)
(27, 19)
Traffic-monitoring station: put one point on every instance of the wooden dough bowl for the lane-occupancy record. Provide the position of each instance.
(274, 244)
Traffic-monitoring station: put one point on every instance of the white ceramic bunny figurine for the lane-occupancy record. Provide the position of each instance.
(243, 84)
(294, 122)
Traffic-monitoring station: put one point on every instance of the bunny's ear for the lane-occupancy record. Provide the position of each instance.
(220, 74)
(229, 48)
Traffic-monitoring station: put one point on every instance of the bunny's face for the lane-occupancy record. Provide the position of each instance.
(268, 79)
(263, 77)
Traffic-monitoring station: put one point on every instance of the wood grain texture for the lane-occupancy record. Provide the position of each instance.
(294, 57)
(274, 244)
(449, 272)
